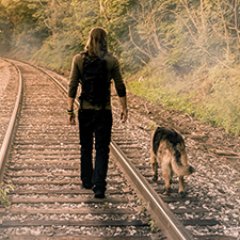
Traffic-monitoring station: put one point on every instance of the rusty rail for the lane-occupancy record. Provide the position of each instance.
(5, 148)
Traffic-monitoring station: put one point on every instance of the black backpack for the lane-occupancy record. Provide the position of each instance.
(95, 83)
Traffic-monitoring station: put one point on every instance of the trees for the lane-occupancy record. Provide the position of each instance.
(211, 28)
(6, 29)
(26, 19)
(183, 33)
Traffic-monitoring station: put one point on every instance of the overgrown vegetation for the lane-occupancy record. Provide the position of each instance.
(212, 97)
(5, 189)
(183, 54)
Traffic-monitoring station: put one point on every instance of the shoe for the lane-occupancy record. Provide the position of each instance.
(99, 194)
(87, 185)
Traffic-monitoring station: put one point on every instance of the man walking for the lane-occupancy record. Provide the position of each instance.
(94, 68)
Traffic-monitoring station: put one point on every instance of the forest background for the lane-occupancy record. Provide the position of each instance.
(182, 54)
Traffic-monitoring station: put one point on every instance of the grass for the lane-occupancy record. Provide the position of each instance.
(210, 95)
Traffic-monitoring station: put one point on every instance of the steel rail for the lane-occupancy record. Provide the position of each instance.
(160, 212)
(6, 144)
(162, 215)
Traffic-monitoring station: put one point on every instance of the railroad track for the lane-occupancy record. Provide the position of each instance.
(43, 166)
(44, 169)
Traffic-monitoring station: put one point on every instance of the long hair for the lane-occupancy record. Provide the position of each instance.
(97, 42)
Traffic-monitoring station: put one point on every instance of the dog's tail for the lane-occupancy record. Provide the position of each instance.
(183, 170)
(180, 161)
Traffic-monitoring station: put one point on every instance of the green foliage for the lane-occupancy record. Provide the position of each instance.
(5, 189)
(57, 52)
(223, 101)
(211, 96)
(6, 29)
(69, 26)
(28, 31)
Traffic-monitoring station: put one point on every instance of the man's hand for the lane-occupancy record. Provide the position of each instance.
(71, 117)
(70, 111)
(72, 120)
(124, 115)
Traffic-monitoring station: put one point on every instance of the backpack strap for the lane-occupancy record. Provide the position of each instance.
(83, 55)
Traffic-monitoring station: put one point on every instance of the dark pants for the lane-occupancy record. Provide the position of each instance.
(95, 124)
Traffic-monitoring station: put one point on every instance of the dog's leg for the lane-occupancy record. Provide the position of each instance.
(166, 174)
(181, 186)
(155, 171)
(153, 160)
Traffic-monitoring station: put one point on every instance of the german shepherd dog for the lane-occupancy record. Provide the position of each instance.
(168, 150)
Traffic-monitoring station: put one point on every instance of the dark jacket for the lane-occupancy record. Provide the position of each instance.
(113, 74)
